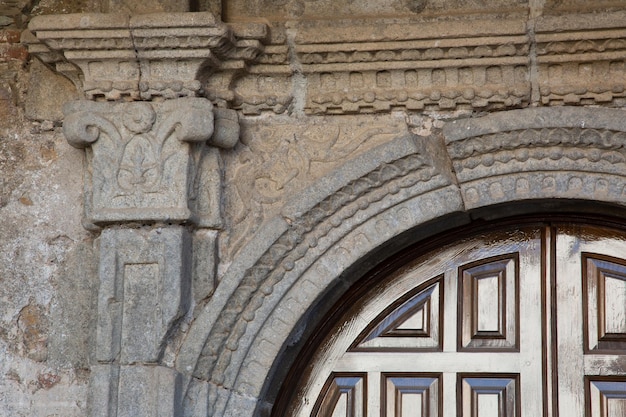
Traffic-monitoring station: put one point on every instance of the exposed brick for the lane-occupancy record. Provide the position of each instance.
(17, 52)
(10, 36)
(48, 380)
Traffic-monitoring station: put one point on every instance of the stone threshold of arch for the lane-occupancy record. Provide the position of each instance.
(153, 128)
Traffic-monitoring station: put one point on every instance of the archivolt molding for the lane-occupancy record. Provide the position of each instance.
(262, 303)
(303, 234)
(539, 153)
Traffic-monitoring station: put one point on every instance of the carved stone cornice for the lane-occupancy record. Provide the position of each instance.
(112, 56)
(436, 65)
(581, 59)
(352, 68)
(341, 67)
(150, 161)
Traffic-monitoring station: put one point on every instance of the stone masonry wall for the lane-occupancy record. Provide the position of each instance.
(48, 282)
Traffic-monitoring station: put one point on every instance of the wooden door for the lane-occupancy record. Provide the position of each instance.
(530, 322)
(590, 325)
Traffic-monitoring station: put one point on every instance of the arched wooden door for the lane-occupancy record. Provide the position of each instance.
(529, 322)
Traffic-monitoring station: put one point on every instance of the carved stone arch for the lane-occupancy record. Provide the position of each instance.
(520, 156)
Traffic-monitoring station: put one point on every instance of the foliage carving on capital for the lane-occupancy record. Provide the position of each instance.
(150, 161)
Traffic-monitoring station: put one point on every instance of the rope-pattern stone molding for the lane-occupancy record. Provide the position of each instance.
(539, 144)
(293, 245)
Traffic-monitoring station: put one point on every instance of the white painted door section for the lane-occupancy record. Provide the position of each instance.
(529, 323)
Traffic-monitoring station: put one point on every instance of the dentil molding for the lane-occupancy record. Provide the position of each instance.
(113, 56)
(341, 67)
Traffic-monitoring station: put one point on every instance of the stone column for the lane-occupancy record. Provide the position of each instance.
(153, 179)
(153, 185)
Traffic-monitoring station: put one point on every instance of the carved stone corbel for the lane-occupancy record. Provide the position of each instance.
(140, 57)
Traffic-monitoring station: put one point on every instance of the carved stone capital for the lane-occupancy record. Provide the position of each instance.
(141, 56)
(151, 161)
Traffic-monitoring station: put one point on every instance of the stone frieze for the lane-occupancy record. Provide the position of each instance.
(374, 65)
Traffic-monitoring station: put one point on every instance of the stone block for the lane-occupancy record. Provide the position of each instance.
(149, 391)
(196, 398)
(149, 6)
(329, 9)
(72, 313)
(145, 280)
(204, 263)
(46, 91)
(103, 390)
(135, 391)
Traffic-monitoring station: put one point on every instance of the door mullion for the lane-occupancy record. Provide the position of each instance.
(451, 403)
(374, 395)
(569, 340)
(549, 325)
(530, 308)
(450, 310)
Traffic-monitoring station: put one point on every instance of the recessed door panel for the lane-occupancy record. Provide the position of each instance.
(488, 304)
(605, 303)
(411, 395)
(606, 398)
(411, 324)
(343, 396)
(488, 396)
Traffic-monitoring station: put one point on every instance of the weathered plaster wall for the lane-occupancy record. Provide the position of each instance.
(46, 260)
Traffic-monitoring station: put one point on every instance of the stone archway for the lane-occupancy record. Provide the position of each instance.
(517, 156)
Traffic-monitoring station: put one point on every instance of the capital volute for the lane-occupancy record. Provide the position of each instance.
(151, 138)
(152, 161)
